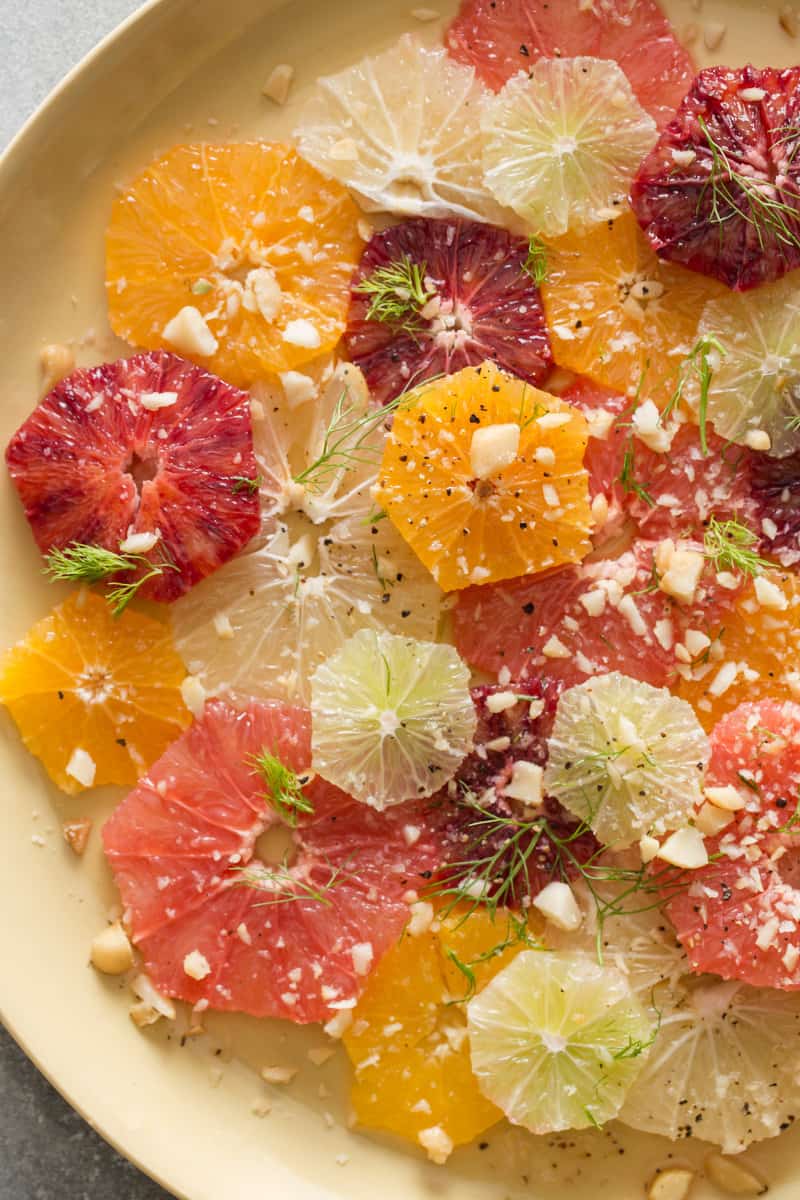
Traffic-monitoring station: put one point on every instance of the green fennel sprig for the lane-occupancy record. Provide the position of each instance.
(697, 366)
(535, 264)
(282, 886)
(82, 562)
(397, 293)
(516, 932)
(244, 483)
(729, 546)
(284, 787)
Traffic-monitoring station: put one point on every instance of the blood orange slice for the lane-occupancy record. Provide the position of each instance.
(236, 255)
(483, 476)
(739, 917)
(720, 193)
(501, 37)
(146, 445)
(582, 621)
(96, 699)
(776, 498)
(293, 939)
(478, 299)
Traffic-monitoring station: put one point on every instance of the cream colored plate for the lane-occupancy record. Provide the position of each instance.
(193, 69)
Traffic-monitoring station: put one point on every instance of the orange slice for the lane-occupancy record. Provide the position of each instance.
(97, 699)
(408, 1040)
(620, 315)
(754, 653)
(483, 476)
(248, 243)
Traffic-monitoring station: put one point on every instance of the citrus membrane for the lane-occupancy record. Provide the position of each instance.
(237, 255)
(557, 1040)
(402, 129)
(96, 698)
(392, 717)
(563, 142)
(626, 757)
(408, 1040)
(511, 514)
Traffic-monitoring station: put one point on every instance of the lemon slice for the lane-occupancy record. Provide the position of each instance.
(392, 717)
(626, 757)
(403, 130)
(564, 142)
(755, 386)
(557, 1040)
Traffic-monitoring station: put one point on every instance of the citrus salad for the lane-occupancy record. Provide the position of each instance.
(443, 525)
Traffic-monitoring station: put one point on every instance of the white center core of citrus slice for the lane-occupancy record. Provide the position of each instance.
(556, 1043)
(389, 722)
(565, 145)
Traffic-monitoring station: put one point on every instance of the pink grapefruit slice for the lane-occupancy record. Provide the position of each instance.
(292, 939)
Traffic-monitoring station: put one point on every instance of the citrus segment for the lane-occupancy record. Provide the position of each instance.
(293, 938)
(557, 1040)
(472, 521)
(776, 496)
(719, 192)
(619, 314)
(146, 445)
(392, 717)
(739, 916)
(408, 1041)
(84, 684)
(247, 237)
(501, 37)
(753, 650)
(264, 623)
(403, 130)
(625, 757)
(563, 142)
(754, 388)
(478, 299)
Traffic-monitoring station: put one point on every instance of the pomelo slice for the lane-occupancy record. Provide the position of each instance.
(501, 37)
(150, 445)
(481, 303)
(402, 129)
(408, 1041)
(720, 192)
(473, 518)
(586, 620)
(563, 142)
(627, 758)
(96, 699)
(739, 917)
(755, 386)
(265, 622)
(556, 1041)
(392, 717)
(293, 939)
(237, 255)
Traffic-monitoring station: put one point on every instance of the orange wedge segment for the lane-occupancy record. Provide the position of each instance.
(477, 501)
(83, 681)
(250, 238)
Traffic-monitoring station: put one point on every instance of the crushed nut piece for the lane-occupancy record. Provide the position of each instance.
(76, 833)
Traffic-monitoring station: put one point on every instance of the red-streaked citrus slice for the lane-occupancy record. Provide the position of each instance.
(775, 486)
(408, 1041)
(97, 699)
(392, 717)
(563, 142)
(739, 917)
(294, 938)
(474, 510)
(556, 1041)
(147, 445)
(720, 192)
(402, 129)
(501, 37)
(619, 314)
(476, 292)
(238, 256)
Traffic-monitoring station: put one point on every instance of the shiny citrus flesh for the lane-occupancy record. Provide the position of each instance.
(82, 679)
(408, 1040)
(760, 640)
(192, 229)
(524, 518)
(619, 314)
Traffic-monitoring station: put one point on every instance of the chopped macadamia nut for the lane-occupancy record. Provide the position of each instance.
(680, 571)
(278, 83)
(674, 1183)
(727, 797)
(733, 1177)
(262, 293)
(436, 1143)
(143, 987)
(278, 1075)
(769, 595)
(82, 767)
(600, 421)
(421, 918)
(362, 955)
(196, 965)
(685, 848)
(139, 543)
(525, 784)
(76, 833)
(493, 447)
(758, 439)
(500, 701)
(193, 694)
(556, 901)
(57, 362)
(711, 820)
(302, 333)
(297, 388)
(189, 333)
(646, 424)
(112, 952)
(648, 848)
(154, 401)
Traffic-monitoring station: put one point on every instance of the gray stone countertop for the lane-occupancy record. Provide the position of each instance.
(47, 1152)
